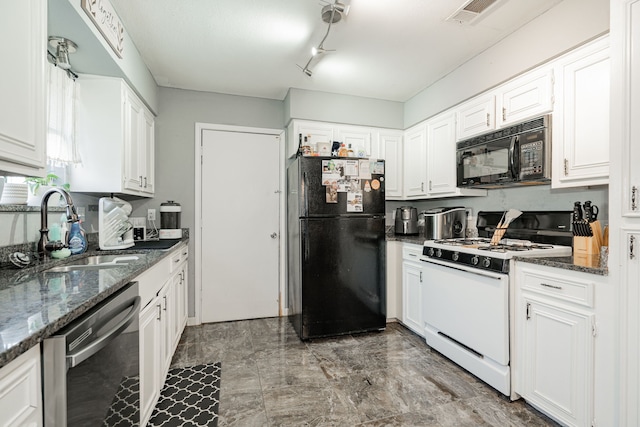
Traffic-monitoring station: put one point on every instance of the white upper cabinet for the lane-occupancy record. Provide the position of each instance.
(430, 160)
(390, 148)
(313, 131)
(415, 162)
(357, 138)
(581, 118)
(115, 136)
(525, 97)
(521, 98)
(475, 116)
(23, 26)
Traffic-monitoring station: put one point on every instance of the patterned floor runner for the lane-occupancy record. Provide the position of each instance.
(190, 397)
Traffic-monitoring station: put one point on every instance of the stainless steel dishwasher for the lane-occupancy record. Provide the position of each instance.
(91, 367)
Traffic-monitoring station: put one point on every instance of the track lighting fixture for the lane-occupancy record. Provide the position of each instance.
(330, 14)
(63, 48)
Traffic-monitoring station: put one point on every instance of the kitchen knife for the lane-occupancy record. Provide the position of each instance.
(590, 211)
(577, 212)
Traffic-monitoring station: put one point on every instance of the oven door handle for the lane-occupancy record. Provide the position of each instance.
(479, 272)
(77, 357)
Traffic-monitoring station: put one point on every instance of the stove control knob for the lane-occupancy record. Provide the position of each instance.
(430, 252)
(486, 262)
(455, 256)
(475, 260)
(438, 253)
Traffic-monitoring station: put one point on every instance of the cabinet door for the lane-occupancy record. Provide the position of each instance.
(475, 116)
(21, 391)
(150, 359)
(557, 355)
(23, 26)
(391, 152)
(412, 297)
(166, 298)
(415, 163)
(581, 123)
(180, 307)
(133, 129)
(359, 139)
(441, 142)
(525, 97)
(147, 155)
(314, 132)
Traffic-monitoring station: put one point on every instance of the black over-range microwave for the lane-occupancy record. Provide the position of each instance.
(515, 155)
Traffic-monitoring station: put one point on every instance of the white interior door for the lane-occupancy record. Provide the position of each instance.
(240, 225)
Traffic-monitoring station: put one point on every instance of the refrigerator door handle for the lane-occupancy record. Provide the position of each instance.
(305, 195)
(304, 234)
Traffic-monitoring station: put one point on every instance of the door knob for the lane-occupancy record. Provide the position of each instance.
(274, 235)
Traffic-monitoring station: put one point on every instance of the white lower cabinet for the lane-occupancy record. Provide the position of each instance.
(21, 391)
(162, 321)
(412, 288)
(555, 327)
(150, 360)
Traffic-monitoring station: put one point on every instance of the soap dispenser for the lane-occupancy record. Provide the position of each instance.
(76, 241)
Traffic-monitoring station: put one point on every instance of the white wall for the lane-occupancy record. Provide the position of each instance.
(569, 24)
(348, 109)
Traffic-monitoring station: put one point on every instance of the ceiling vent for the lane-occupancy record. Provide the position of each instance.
(470, 11)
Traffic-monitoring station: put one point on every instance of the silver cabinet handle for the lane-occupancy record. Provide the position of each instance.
(528, 311)
(421, 277)
(504, 114)
(422, 186)
(488, 119)
(634, 192)
(551, 286)
(145, 182)
(140, 184)
(159, 311)
(566, 167)
(430, 185)
(632, 240)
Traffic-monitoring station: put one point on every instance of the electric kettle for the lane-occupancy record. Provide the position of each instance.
(406, 220)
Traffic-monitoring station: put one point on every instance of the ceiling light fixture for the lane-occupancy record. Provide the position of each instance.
(63, 48)
(331, 14)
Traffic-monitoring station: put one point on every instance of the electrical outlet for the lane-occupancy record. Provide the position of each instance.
(151, 214)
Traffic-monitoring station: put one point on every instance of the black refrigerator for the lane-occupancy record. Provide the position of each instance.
(336, 246)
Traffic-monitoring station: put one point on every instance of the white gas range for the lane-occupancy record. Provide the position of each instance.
(466, 294)
(478, 252)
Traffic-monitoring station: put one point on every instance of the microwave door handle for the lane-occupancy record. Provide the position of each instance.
(512, 155)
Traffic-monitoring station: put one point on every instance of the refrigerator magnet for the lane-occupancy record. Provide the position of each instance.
(332, 193)
(367, 187)
(354, 202)
(365, 169)
(375, 184)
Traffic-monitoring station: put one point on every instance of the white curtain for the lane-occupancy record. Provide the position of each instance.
(61, 145)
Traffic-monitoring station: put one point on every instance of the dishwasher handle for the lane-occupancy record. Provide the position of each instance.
(77, 357)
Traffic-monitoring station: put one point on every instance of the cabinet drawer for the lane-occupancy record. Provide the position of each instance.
(411, 252)
(179, 255)
(567, 288)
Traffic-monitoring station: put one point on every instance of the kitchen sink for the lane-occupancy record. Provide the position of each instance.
(97, 262)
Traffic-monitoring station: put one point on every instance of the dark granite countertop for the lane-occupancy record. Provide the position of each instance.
(35, 304)
(585, 264)
(391, 236)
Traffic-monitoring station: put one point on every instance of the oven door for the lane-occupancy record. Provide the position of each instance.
(494, 162)
(466, 315)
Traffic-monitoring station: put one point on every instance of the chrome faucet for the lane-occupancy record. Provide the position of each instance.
(44, 245)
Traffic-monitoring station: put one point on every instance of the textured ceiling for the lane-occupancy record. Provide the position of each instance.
(384, 49)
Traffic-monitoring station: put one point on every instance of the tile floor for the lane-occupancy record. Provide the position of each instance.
(390, 378)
